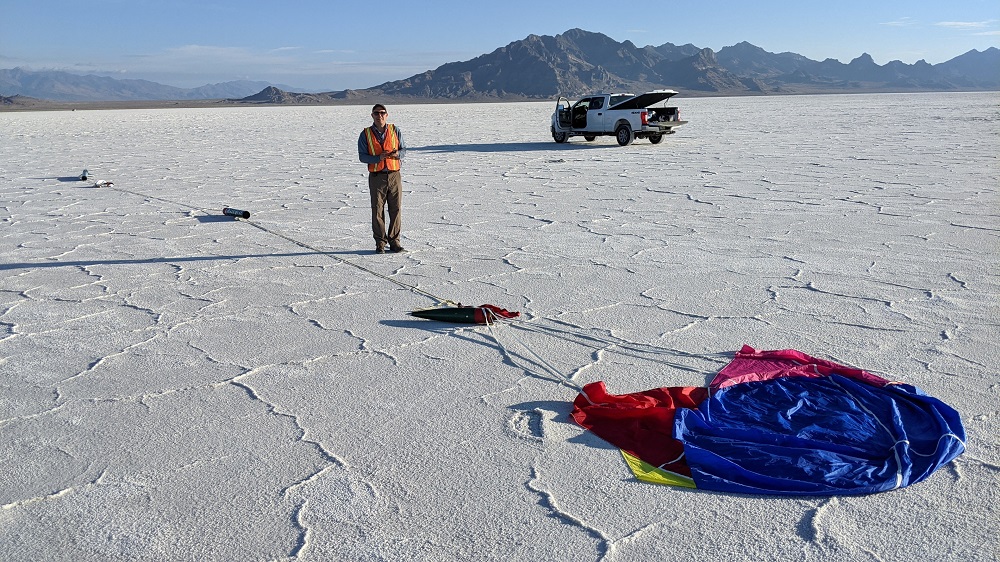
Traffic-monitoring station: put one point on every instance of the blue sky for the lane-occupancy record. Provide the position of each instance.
(332, 45)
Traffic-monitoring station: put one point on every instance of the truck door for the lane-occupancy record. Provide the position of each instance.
(595, 115)
(579, 114)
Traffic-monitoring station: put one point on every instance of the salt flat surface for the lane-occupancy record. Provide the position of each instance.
(175, 385)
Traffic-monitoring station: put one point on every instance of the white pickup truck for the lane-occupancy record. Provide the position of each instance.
(626, 116)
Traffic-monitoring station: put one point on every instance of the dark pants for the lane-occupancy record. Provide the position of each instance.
(386, 188)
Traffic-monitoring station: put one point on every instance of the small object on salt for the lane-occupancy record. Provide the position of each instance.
(235, 212)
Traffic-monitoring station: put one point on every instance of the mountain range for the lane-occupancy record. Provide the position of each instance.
(578, 62)
(68, 87)
(571, 64)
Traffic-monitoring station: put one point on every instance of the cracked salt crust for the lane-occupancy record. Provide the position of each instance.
(173, 386)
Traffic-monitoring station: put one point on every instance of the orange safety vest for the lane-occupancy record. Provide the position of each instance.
(390, 143)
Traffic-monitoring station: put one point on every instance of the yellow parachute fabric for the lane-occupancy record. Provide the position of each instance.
(649, 473)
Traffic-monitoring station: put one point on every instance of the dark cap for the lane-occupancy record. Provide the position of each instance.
(378, 106)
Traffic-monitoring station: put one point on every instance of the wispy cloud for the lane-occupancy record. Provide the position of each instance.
(901, 22)
(966, 25)
(994, 33)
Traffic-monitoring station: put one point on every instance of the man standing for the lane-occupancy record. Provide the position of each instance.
(381, 147)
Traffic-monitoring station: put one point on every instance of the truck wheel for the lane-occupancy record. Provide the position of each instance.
(589, 138)
(624, 134)
(655, 139)
(559, 137)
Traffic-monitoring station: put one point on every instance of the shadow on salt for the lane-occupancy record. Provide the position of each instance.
(142, 261)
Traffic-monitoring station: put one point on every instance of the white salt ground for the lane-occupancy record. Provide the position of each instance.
(175, 385)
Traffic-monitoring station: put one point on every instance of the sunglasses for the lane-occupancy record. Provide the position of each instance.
(380, 112)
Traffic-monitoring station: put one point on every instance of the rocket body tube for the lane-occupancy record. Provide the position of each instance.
(235, 213)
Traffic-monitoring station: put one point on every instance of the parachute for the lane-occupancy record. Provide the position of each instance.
(778, 422)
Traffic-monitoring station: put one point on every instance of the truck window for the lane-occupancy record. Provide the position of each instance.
(615, 100)
(596, 103)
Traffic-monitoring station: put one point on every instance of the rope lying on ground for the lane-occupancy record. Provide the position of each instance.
(413, 288)
(299, 243)
(626, 348)
(558, 375)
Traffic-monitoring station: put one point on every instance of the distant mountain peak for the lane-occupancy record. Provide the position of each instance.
(864, 59)
(747, 46)
(273, 95)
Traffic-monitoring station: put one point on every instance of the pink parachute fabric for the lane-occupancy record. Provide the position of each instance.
(754, 365)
